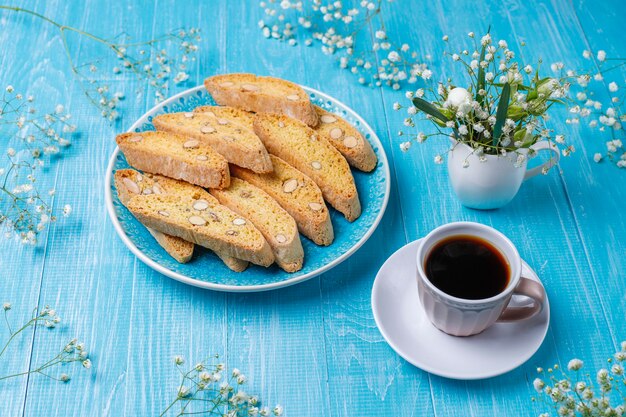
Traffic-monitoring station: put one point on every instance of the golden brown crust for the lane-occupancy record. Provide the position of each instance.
(300, 146)
(234, 141)
(276, 225)
(262, 95)
(297, 194)
(176, 157)
(130, 183)
(347, 139)
(202, 220)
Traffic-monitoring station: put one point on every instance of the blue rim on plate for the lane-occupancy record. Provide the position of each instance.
(206, 270)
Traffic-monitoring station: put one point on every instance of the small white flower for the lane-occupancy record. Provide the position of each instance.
(601, 55)
(7, 306)
(438, 159)
(586, 54)
(10, 89)
(538, 384)
(380, 34)
(457, 97)
(87, 363)
(278, 410)
(179, 360)
(613, 87)
(597, 157)
(393, 56)
(64, 377)
(67, 210)
(183, 391)
(396, 106)
(426, 74)
(404, 146)
(575, 364)
(463, 130)
(181, 77)
(617, 369)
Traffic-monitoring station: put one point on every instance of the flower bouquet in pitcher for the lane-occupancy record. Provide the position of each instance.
(496, 123)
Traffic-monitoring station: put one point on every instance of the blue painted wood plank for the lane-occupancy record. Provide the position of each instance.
(321, 332)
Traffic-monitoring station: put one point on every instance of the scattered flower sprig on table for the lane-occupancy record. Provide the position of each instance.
(503, 109)
(209, 389)
(73, 351)
(148, 61)
(605, 116)
(38, 139)
(343, 32)
(575, 393)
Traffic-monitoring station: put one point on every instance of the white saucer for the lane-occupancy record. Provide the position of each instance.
(402, 322)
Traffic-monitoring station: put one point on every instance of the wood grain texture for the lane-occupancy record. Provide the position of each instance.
(313, 347)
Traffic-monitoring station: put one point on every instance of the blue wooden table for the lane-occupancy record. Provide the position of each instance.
(313, 347)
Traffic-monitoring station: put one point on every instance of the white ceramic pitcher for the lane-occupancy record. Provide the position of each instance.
(492, 183)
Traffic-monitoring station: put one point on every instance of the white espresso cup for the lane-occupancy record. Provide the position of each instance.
(465, 317)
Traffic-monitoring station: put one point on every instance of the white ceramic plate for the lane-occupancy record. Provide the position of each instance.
(403, 323)
(206, 270)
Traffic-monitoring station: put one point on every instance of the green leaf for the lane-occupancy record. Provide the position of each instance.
(503, 106)
(429, 109)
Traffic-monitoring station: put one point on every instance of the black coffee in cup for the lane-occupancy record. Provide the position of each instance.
(467, 267)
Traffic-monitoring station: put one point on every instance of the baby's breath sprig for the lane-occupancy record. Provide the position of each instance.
(502, 109)
(605, 116)
(575, 393)
(149, 61)
(73, 351)
(339, 30)
(209, 389)
(37, 139)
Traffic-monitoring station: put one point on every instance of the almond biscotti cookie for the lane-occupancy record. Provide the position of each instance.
(300, 146)
(175, 156)
(262, 95)
(243, 117)
(278, 227)
(199, 218)
(130, 183)
(297, 194)
(347, 139)
(234, 141)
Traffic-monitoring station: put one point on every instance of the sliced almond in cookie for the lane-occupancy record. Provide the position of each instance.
(276, 225)
(262, 95)
(302, 193)
(347, 139)
(299, 146)
(235, 141)
(232, 114)
(176, 157)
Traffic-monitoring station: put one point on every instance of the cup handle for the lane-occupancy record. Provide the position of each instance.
(543, 145)
(531, 289)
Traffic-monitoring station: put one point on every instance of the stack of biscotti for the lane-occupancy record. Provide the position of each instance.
(130, 183)
(270, 160)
